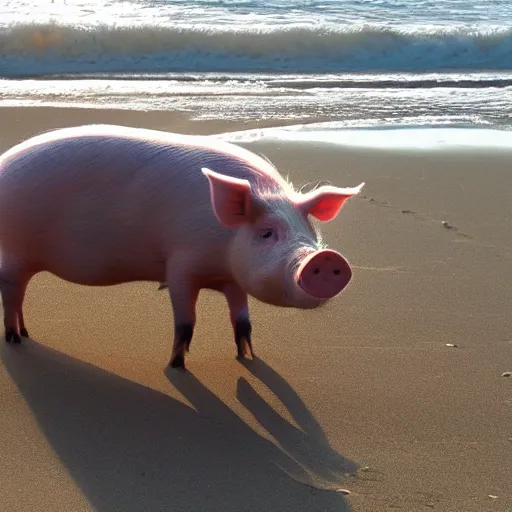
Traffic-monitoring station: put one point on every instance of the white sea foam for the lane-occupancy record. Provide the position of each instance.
(385, 137)
(352, 101)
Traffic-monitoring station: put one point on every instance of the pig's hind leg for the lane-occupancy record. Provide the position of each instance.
(21, 320)
(239, 315)
(13, 294)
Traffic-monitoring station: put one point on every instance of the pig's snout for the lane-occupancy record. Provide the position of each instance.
(323, 274)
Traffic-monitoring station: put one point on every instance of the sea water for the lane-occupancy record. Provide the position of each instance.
(342, 63)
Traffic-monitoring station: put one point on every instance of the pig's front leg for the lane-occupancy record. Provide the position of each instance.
(183, 295)
(239, 314)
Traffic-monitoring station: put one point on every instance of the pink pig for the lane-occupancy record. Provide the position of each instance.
(103, 205)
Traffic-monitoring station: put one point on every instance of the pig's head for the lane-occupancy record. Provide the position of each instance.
(276, 255)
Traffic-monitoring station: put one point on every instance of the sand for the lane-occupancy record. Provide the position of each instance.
(365, 394)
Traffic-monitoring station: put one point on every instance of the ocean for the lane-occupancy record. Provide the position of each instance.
(324, 64)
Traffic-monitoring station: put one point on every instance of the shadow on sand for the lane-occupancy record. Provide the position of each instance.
(131, 448)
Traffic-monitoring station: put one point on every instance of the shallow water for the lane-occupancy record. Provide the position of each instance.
(359, 63)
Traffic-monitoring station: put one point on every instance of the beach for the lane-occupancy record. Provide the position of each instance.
(391, 397)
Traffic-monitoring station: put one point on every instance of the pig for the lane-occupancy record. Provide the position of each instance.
(101, 205)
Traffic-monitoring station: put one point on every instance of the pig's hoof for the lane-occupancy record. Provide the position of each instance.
(244, 351)
(11, 336)
(178, 362)
(243, 339)
(24, 333)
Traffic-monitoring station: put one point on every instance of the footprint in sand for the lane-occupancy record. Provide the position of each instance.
(419, 216)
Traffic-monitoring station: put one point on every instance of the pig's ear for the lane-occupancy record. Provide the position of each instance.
(231, 198)
(326, 202)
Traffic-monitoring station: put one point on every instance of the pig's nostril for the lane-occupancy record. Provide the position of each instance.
(316, 271)
(336, 272)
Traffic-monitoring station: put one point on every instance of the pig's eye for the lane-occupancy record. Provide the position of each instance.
(268, 233)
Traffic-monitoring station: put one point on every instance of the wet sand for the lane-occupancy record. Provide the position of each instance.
(394, 391)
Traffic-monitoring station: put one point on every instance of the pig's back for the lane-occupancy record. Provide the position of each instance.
(127, 196)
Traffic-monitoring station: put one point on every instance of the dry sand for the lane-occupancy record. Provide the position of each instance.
(363, 395)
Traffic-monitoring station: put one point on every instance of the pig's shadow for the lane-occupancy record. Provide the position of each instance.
(313, 461)
(131, 448)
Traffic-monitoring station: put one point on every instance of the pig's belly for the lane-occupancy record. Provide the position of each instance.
(104, 270)
(106, 274)
(83, 246)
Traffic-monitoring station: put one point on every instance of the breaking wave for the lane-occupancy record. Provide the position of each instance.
(35, 49)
